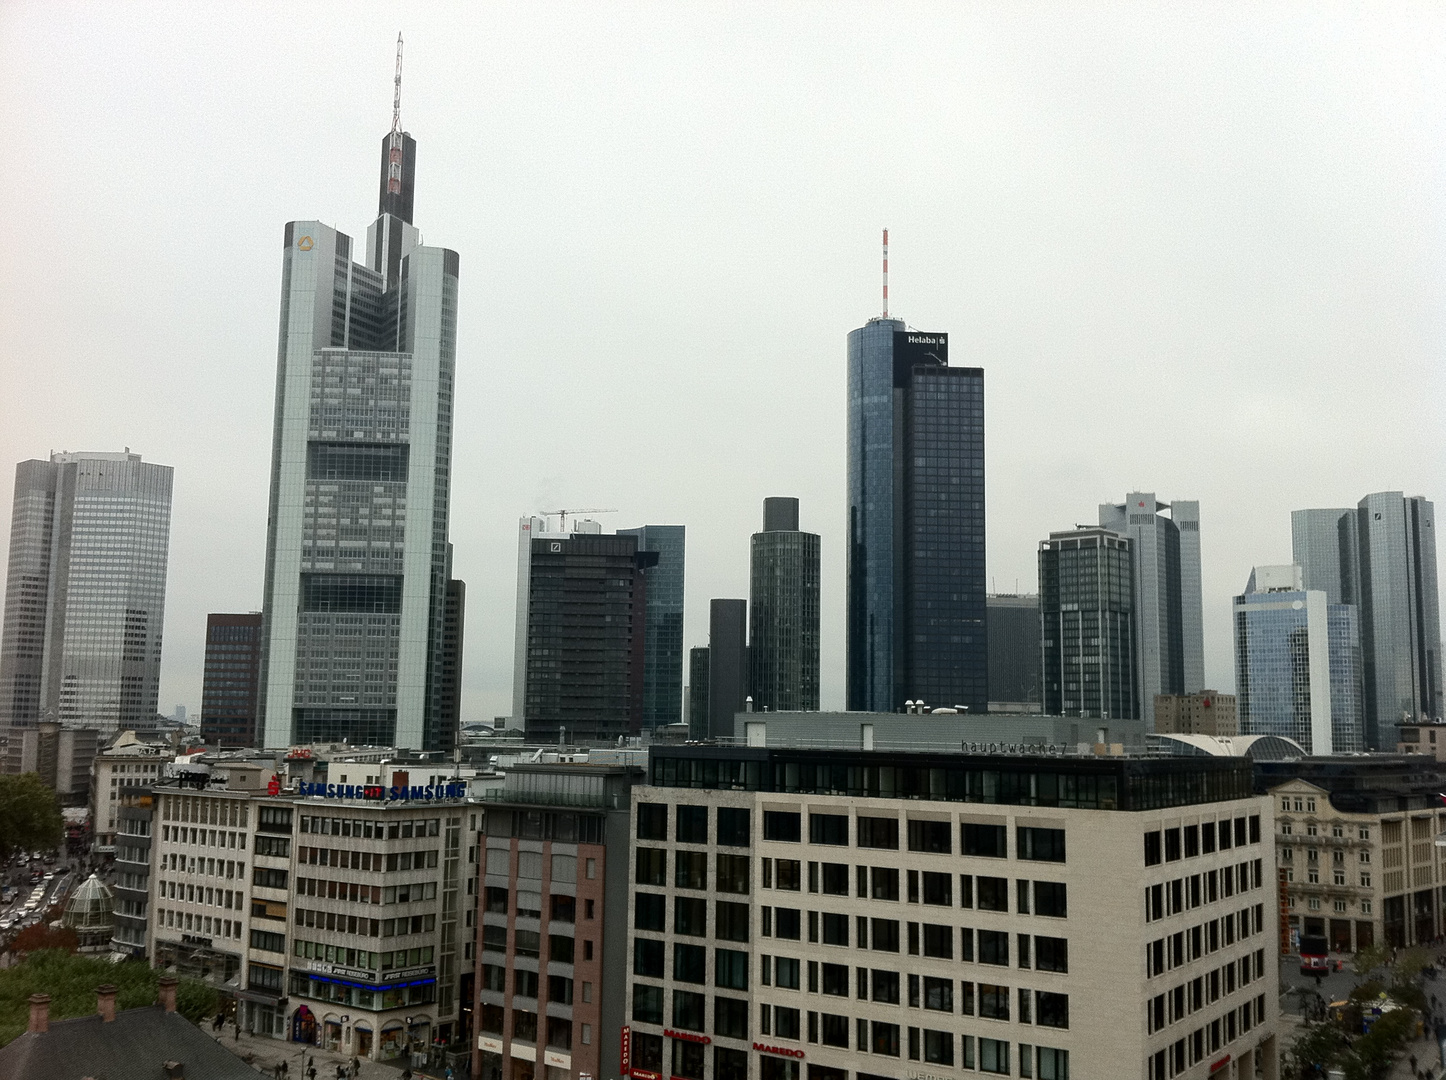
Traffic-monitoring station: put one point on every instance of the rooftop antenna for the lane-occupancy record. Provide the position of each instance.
(394, 145)
(886, 231)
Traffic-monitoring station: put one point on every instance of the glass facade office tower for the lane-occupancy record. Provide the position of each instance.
(585, 637)
(357, 559)
(916, 614)
(85, 592)
(783, 612)
(1384, 561)
(232, 675)
(1086, 589)
(1323, 545)
(698, 692)
(663, 655)
(1169, 619)
(1013, 648)
(1297, 663)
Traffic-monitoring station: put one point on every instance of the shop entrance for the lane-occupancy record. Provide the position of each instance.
(363, 1041)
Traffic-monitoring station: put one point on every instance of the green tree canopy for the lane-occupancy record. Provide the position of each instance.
(71, 979)
(29, 815)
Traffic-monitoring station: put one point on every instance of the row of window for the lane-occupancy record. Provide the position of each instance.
(209, 867)
(362, 958)
(1167, 953)
(354, 893)
(687, 1058)
(1185, 894)
(1171, 845)
(367, 860)
(361, 926)
(175, 834)
(561, 908)
(199, 924)
(527, 983)
(561, 949)
(1203, 990)
(1209, 1039)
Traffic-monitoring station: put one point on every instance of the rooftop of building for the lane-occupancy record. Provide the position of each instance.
(1364, 783)
(139, 1044)
(1096, 781)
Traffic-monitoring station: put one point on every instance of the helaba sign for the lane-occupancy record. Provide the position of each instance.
(378, 793)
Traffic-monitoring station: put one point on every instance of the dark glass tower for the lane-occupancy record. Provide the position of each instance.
(228, 688)
(727, 664)
(783, 612)
(1086, 607)
(916, 610)
(585, 639)
(663, 655)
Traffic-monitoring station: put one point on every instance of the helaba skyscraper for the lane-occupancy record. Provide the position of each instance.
(916, 609)
(357, 558)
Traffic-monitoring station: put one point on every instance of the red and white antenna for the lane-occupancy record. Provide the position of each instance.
(394, 144)
(886, 273)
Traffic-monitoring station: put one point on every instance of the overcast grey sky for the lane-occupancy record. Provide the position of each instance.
(1197, 249)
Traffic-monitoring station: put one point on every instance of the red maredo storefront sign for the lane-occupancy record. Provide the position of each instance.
(1216, 1066)
(687, 1036)
(784, 1050)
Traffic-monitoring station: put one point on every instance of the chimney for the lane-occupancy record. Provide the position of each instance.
(105, 1001)
(166, 992)
(174, 1070)
(39, 1014)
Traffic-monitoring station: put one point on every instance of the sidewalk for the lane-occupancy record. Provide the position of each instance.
(264, 1054)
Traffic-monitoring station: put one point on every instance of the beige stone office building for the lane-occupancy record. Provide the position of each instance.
(1359, 867)
(1205, 713)
(855, 915)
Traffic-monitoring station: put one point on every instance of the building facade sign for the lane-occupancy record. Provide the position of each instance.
(379, 793)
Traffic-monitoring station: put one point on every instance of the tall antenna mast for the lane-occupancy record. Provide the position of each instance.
(886, 257)
(397, 96)
(394, 144)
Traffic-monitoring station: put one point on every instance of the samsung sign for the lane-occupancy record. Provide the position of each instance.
(402, 793)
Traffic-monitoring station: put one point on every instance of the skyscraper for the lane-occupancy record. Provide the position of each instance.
(1013, 648)
(1323, 545)
(1086, 591)
(727, 664)
(85, 592)
(357, 559)
(783, 611)
(698, 692)
(585, 637)
(1383, 561)
(1169, 619)
(916, 612)
(229, 684)
(1297, 663)
(663, 654)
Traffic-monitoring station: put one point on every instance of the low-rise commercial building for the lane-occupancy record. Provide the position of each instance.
(1205, 713)
(333, 914)
(940, 915)
(552, 967)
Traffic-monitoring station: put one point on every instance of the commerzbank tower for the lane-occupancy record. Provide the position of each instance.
(361, 632)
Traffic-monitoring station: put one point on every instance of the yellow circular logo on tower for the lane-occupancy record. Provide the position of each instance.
(304, 243)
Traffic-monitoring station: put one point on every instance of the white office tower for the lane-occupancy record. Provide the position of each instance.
(357, 555)
(85, 593)
(1169, 619)
(1297, 663)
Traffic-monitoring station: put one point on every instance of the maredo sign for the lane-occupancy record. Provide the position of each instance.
(783, 1050)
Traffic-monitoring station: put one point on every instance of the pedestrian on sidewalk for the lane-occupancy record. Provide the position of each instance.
(355, 1067)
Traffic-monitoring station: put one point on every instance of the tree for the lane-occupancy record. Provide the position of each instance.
(40, 936)
(29, 815)
(71, 979)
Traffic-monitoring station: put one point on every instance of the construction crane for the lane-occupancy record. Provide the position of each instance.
(562, 514)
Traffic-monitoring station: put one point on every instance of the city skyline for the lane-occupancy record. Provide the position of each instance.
(1057, 385)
